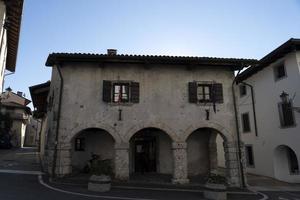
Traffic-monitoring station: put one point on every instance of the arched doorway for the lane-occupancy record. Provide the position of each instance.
(205, 154)
(286, 164)
(150, 152)
(91, 141)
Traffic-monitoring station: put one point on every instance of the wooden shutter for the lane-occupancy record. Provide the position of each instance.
(287, 114)
(217, 93)
(135, 92)
(107, 91)
(193, 92)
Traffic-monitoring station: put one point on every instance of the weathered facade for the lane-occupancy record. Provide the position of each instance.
(165, 110)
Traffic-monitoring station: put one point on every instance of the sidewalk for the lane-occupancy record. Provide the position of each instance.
(25, 159)
(262, 183)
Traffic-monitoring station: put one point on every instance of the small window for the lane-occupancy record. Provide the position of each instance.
(249, 156)
(121, 92)
(279, 72)
(286, 114)
(243, 90)
(246, 122)
(204, 93)
(79, 144)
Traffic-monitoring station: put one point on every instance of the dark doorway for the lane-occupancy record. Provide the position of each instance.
(145, 153)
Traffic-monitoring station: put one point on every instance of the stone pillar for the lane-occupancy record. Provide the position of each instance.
(233, 174)
(122, 161)
(64, 160)
(180, 163)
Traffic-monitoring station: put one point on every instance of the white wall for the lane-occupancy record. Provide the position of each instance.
(3, 44)
(270, 134)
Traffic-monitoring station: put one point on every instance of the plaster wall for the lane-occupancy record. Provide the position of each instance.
(163, 100)
(270, 133)
(198, 153)
(3, 44)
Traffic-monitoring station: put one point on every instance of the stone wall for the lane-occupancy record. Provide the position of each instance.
(163, 105)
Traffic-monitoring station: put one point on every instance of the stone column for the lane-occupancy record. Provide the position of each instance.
(122, 161)
(64, 159)
(233, 174)
(180, 163)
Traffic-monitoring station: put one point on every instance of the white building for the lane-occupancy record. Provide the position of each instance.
(270, 128)
(162, 110)
(10, 20)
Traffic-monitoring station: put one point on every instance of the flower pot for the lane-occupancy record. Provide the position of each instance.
(100, 183)
(215, 191)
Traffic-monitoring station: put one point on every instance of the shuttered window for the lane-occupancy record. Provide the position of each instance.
(246, 122)
(286, 114)
(120, 92)
(243, 90)
(205, 92)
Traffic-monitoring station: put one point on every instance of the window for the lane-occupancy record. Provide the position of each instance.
(121, 91)
(249, 156)
(204, 92)
(79, 144)
(279, 72)
(246, 122)
(286, 114)
(243, 90)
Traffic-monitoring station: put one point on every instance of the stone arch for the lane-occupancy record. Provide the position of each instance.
(286, 163)
(88, 142)
(109, 129)
(151, 151)
(157, 125)
(222, 131)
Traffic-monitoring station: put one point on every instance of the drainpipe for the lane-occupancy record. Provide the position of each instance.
(253, 106)
(4, 79)
(238, 131)
(58, 120)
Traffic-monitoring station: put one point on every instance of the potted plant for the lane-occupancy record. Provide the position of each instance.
(100, 180)
(215, 187)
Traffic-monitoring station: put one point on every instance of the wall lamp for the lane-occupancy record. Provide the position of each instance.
(285, 99)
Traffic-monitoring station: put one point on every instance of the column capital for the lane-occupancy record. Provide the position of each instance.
(179, 145)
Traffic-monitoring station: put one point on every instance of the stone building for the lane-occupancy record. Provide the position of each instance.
(156, 114)
(16, 106)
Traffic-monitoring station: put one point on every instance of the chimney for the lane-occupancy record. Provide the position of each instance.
(20, 94)
(111, 52)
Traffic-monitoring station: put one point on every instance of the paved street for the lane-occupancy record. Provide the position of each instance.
(20, 179)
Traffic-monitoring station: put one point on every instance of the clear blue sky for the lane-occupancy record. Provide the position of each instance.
(217, 28)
